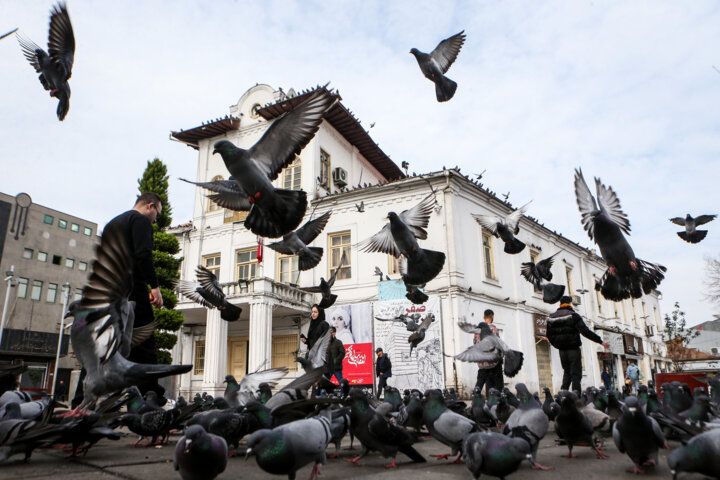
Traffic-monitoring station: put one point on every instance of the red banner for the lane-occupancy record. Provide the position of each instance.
(358, 364)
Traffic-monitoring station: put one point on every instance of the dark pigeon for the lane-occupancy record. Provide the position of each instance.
(54, 68)
(296, 243)
(400, 236)
(550, 407)
(490, 350)
(691, 233)
(264, 393)
(9, 377)
(638, 435)
(328, 298)
(155, 424)
(416, 337)
(24, 436)
(539, 276)
(574, 427)
(446, 426)
(605, 222)
(410, 321)
(479, 410)
(208, 293)
(414, 294)
(274, 211)
(494, 454)
(528, 422)
(700, 455)
(200, 455)
(435, 64)
(505, 228)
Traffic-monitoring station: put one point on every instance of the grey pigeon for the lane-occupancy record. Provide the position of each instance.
(435, 64)
(14, 396)
(605, 222)
(102, 330)
(539, 275)
(410, 321)
(490, 350)
(54, 68)
(360, 206)
(691, 233)
(400, 236)
(444, 425)
(238, 394)
(287, 448)
(479, 410)
(295, 243)
(228, 193)
(494, 454)
(505, 228)
(574, 427)
(30, 410)
(328, 298)
(274, 211)
(317, 356)
(295, 390)
(416, 337)
(637, 435)
(23, 436)
(700, 455)
(200, 455)
(208, 293)
(528, 422)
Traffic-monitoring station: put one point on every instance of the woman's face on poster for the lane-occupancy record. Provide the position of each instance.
(339, 319)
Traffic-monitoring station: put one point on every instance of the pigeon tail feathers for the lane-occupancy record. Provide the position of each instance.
(230, 312)
(417, 296)
(693, 237)
(140, 373)
(282, 218)
(514, 246)
(425, 266)
(329, 302)
(414, 455)
(513, 362)
(309, 257)
(444, 89)
(552, 292)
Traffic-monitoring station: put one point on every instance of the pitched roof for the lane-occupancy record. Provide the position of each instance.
(211, 128)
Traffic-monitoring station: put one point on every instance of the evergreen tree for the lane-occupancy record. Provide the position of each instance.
(155, 179)
(677, 337)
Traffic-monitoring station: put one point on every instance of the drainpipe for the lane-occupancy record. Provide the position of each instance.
(451, 251)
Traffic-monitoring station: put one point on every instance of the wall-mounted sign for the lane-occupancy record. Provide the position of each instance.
(615, 340)
(540, 325)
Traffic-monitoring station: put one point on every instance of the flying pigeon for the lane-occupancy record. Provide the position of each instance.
(295, 243)
(208, 293)
(505, 228)
(418, 336)
(691, 234)
(410, 321)
(399, 237)
(638, 435)
(700, 455)
(275, 211)
(605, 223)
(444, 425)
(23, 436)
(102, 330)
(228, 193)
(54, 68)
(200, 455)
(317, 355)
(435, 64)
(540, 275)
(490, 350)
(414, 294)
(360, 206)
(494, 454)
(529, 422)
(238, 394)
(328, 298)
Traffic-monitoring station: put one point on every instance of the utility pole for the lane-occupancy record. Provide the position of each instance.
(66, 292)
(10, 280)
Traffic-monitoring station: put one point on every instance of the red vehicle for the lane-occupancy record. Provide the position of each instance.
(693, 379)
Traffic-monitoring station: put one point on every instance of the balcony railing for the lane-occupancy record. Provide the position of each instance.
(267, 286)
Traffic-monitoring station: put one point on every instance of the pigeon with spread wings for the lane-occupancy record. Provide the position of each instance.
(490, 350)
(400, 236)
(539, 275)
(54, 68)
(228, 194)
(208, 293)
(605, 222)
(296, 243)
(505, 228)
(328, 298)
(691, 233)
(418, 336)
(102, 330)
(435, 64)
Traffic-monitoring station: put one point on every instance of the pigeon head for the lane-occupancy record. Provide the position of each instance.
(523, 393)
(393, 217)
(195, 434)
(685, 459)
(415, 51)
(230, 379)
(224, 147)
(521, 448)
(12, 411)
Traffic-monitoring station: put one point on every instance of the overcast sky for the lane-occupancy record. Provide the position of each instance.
(626, 90)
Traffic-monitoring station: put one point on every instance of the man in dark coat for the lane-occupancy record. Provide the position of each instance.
(564, 328)
(383, 370)
(336, 354)
(489, 377)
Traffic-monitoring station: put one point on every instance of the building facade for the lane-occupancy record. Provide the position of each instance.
(50, 254)
(346, 173)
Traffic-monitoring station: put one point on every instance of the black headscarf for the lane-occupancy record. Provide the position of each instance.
(318, 327)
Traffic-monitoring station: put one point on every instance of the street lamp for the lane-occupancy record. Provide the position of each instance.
(66, 291)
(10, 279)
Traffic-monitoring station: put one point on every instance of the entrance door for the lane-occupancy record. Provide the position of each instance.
(542, 348)
(237, 357)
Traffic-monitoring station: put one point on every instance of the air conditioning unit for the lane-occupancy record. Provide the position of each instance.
(340, 177)
(648, 330)
(576, 299)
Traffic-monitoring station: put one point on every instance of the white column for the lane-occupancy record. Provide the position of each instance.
(216, 333)
(260, 335)
(185, 341)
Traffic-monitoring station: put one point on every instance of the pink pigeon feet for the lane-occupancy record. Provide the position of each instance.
(75, 413)
(442, 456)
(569, 455)
(355, 460)
(334, 455)
(636, 470)
(537, 466)
(391, 465)
(599, 453)
(315, 471)
(649, 463)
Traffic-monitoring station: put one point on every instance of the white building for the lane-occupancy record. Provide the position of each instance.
(340, 168)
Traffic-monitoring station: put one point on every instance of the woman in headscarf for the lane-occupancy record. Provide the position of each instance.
(318, 327)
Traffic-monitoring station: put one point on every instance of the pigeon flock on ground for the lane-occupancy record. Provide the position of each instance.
(289, 428)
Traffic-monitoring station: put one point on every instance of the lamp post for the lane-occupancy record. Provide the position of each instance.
(66, 292)
(10, 279)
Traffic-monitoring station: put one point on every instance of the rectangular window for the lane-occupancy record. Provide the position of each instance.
(568, 279)
(291, 175)
(288, 269)
(36, 291)
(324, 169)
(488, 255)
(212, 206)
(28, 253)
(65, 292)
(74, 227)
(51, 292)
(339, 245)
(534, 257)
(199, 357)
(231, 216)
(245, 264)
(82, 266)
(42, 257)
(57, 260)
(22, 287)
(69, 263)
(615, 310)
(48, 219)
(212, 263)
(393, 265)
(78, 294)
(284, 351)
(62, 223)
(87, 231)
(599, 298)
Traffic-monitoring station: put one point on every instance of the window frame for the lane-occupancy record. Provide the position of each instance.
(42, 254)
(393, 265)
(333, 262)
(211, 206)
(325, 169)
(216, 265)
(39, 285)
(199, 358)
(52, 287)
(488, 251)
(26, 255)
(71, 261)
(253, 263)
(291, 173)
(25, 283)
(293, 273)
(62, 223)
(87, 231)
(535, 258)
(50, 218)
(82, 266)
(290, 341)
(75, 227)
(569, 280)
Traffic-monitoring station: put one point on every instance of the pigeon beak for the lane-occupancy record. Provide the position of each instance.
(632, 409)
(248, 453)
(215, 151)
(530, 459)
(674, 474)
(188, 441)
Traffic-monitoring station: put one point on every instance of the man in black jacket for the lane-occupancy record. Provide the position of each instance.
(336, 354)
(383, 370)
(563, 332)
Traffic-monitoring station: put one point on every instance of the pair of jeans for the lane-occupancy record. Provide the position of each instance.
(382, 383)
(572, 369)
(338, 375)
(490, 378)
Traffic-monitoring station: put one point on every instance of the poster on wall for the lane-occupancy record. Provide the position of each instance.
(423, 368)
(354, 329)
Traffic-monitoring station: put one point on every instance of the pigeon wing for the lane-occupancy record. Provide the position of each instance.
(610, 205)
(140, 334)
(513, 220)
(477, 353)
(30, 49)
(190, 290)
(209, 283)
(678, 221)
(311, 289)
(586, 203)
(331, 280)
(488, 222)
(61, 42)
(447, 51)
(287, 136)
(417, 218)
(544, 266)
(469, 328)
(427, 321)
(219, 186)
(308, 232)
(250, 383)
(382, 241)
(232, 201)
(703, 219)
(111, 278)
(529, 271)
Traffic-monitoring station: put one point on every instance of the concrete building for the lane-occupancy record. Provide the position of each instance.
(342, 170)
(708, 340)
(50, 253)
